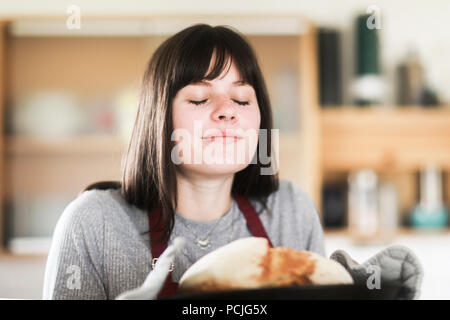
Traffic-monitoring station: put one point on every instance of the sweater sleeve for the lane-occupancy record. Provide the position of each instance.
(74, 268)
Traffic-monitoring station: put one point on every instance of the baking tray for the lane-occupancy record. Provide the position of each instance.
(307, 292)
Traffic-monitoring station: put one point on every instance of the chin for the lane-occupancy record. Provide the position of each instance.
(215, 169)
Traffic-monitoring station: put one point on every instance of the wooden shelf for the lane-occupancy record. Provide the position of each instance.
(385, 139)
(83, 145)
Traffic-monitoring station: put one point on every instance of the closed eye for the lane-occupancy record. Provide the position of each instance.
(200, 102)
(241, 103)
(197, 103)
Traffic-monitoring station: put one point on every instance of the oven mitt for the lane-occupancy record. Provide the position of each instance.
(396, 265)
(155, 280)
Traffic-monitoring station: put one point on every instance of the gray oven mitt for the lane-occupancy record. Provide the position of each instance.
(396, 265)
(155, 279)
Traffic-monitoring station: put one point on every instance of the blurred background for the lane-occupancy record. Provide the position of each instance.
(359, 90)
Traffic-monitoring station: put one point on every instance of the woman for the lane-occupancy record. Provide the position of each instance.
(203, 105)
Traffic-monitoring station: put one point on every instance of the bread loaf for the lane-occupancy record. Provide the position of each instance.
(250, 263)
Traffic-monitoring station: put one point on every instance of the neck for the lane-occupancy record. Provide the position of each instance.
(203, 198)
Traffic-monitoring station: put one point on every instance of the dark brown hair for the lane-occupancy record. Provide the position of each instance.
(148, 177)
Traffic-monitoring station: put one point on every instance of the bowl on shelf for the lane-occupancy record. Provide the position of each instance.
(48, 114)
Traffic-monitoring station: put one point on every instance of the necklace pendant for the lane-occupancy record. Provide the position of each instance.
(203, 244)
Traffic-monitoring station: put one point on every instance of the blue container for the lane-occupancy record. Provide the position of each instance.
(437, 218)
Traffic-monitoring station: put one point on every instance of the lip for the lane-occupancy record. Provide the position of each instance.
(226, 135)
(224, 138)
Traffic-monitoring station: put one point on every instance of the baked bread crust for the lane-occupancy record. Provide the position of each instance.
(250, 263)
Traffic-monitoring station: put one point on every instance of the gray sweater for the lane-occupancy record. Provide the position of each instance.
(101, 247)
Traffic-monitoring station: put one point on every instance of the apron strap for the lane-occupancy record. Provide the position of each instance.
(156, 224)
(253, 221)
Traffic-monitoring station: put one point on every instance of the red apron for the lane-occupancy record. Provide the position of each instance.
(254, 224)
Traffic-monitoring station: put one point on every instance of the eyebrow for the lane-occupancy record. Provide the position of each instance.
(238, 83)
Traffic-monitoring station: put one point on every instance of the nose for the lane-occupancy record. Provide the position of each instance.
(225, 111)
(226, 117)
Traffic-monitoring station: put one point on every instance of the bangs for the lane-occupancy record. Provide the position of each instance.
(218, 46)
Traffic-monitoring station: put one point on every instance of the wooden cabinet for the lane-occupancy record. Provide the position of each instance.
(316, 145)
(396, 142)
(41, 176)
(2, 143)
(385, 138)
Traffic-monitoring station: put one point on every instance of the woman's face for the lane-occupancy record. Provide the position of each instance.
(216, 125)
